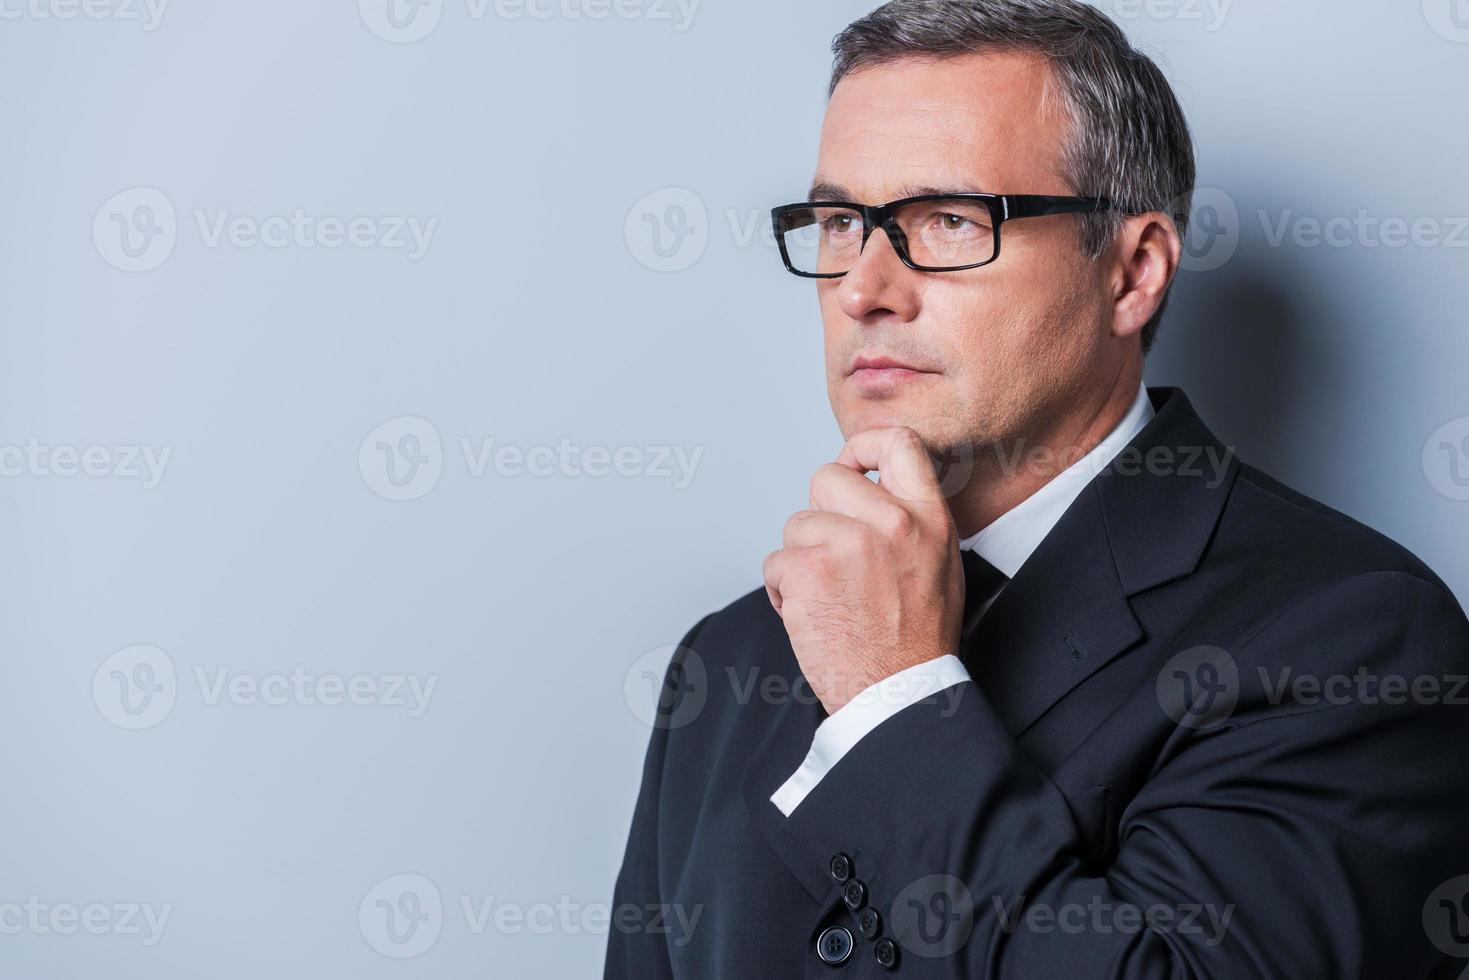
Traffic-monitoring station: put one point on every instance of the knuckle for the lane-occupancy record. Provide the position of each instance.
(864, 539)
(821, 563)
(897, 522)
(793, 526)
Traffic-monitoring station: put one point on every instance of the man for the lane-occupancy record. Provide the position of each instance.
(1069, 691)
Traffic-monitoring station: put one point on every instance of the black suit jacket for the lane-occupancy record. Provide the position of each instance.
(1200, 741)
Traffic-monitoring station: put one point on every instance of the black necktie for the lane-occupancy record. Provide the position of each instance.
(982, 582)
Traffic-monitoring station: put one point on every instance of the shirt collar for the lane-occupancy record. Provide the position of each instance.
(1011, 538)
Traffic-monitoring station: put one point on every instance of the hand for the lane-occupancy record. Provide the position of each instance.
(868, 581)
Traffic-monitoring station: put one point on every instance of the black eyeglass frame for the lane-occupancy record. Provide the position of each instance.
(1002, 208)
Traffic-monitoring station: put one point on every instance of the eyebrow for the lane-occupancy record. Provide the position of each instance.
(825, 190)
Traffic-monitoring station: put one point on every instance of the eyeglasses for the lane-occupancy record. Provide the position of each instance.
(931, 233)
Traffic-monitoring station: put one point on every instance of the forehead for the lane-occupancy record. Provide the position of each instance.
(990, 121)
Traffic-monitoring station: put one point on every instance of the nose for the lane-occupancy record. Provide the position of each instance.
(879, 283)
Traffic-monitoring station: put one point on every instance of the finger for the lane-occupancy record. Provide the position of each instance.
(902, 461)
(777, 563)
(843, 490)
(811, 528)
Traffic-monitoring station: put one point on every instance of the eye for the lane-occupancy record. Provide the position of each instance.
(954, 222)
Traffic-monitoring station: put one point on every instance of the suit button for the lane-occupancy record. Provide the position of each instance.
(841, 868)
(835, 945)
(854, 895)
(869, 922)
(886, 952)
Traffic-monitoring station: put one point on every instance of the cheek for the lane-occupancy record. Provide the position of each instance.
(1047, 316)
(1015, 339)
(978, 324)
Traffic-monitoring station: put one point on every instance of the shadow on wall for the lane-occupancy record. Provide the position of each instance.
(1259, 363)
(1289, 361)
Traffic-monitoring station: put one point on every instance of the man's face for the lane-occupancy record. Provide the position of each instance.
(1001, 350)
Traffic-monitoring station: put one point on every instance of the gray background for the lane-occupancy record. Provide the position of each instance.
(542, 310)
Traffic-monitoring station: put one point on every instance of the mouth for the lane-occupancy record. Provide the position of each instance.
(884, 375)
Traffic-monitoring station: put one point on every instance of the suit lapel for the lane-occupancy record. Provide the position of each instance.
(1145, 520)
(1060, 619)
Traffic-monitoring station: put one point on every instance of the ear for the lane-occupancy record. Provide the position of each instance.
(1145, 257)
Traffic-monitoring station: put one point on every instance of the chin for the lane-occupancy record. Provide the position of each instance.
(858, 414)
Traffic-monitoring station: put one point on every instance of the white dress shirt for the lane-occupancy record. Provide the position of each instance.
(1006, 544)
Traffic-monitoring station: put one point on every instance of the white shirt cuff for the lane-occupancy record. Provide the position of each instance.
(836, 735)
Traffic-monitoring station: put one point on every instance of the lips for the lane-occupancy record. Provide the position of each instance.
(884, 363)
(881, 376)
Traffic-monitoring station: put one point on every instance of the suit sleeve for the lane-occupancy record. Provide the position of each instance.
(633, 953)
(1300, 837)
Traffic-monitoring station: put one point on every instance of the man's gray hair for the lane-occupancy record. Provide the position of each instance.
(1129, 139)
